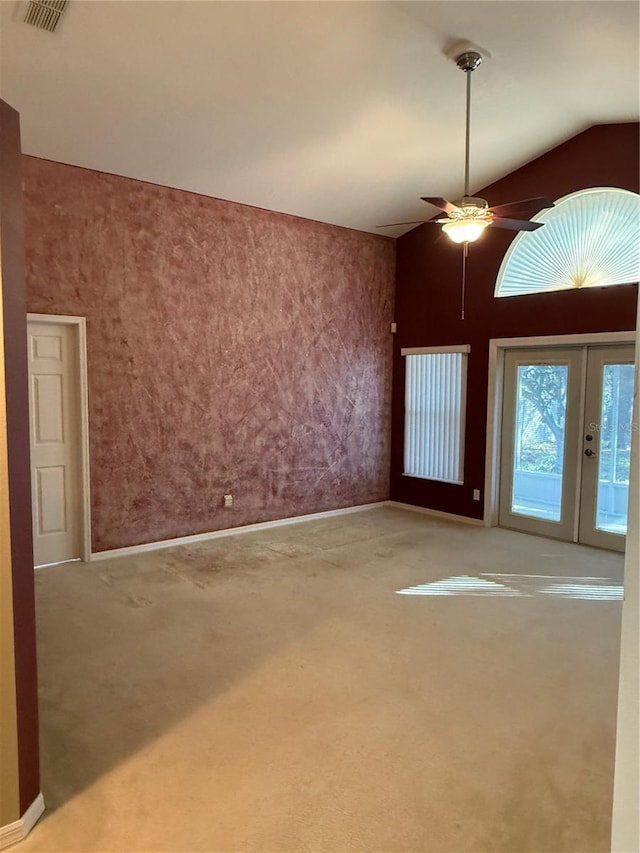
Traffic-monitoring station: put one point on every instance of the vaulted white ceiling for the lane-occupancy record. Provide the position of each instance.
(343, 112)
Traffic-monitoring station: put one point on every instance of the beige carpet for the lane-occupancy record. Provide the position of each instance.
(272, 692)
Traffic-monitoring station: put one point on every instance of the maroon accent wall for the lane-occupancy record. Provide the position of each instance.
(427, 308)
(230, 349)
(17, 399)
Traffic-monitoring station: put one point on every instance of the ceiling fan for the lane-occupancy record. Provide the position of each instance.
(469, 216)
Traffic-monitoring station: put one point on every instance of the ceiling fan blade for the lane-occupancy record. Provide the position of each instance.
(442, 203)
(528, 205)
(416, 222)
(515, 224)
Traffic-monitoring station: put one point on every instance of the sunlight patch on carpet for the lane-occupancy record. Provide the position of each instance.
(525, 586)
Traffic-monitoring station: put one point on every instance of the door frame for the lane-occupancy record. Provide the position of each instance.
(497, 349)
(79, 327)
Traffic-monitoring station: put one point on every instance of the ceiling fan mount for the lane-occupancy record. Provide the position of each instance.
(468, 60)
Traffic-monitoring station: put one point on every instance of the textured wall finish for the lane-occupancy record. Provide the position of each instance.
(230, 349)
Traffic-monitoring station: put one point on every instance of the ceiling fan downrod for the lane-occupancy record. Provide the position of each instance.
(468, 62)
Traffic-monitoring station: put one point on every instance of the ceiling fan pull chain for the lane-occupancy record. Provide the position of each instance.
(465, 252)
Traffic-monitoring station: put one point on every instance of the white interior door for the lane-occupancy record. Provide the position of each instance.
(566, 437)
(606, 446)
(56, 481)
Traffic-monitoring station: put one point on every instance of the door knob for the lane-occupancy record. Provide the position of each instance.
(589, 452)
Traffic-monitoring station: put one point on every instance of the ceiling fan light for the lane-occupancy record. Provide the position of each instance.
(465, 230)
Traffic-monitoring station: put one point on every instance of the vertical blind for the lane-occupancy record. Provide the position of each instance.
(435, 394)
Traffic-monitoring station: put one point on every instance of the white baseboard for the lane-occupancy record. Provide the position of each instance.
(19, 829)
(132, 550)
(230, 531)
(448, 516)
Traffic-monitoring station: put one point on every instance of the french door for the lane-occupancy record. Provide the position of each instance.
(567, 423)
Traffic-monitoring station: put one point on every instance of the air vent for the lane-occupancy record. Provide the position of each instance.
(45, 14)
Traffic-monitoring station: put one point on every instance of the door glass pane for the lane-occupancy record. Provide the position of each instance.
(615, 428)
(541, 403)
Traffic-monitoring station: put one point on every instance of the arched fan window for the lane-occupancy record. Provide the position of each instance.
(591, 238)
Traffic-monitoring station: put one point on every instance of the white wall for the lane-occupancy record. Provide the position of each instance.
(625, 837)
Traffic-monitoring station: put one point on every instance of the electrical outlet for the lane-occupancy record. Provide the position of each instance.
(228, 500)
(476, 494)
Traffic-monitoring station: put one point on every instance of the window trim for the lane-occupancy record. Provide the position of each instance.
(462, 348)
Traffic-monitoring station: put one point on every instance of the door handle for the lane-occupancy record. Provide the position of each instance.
(589, 452)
